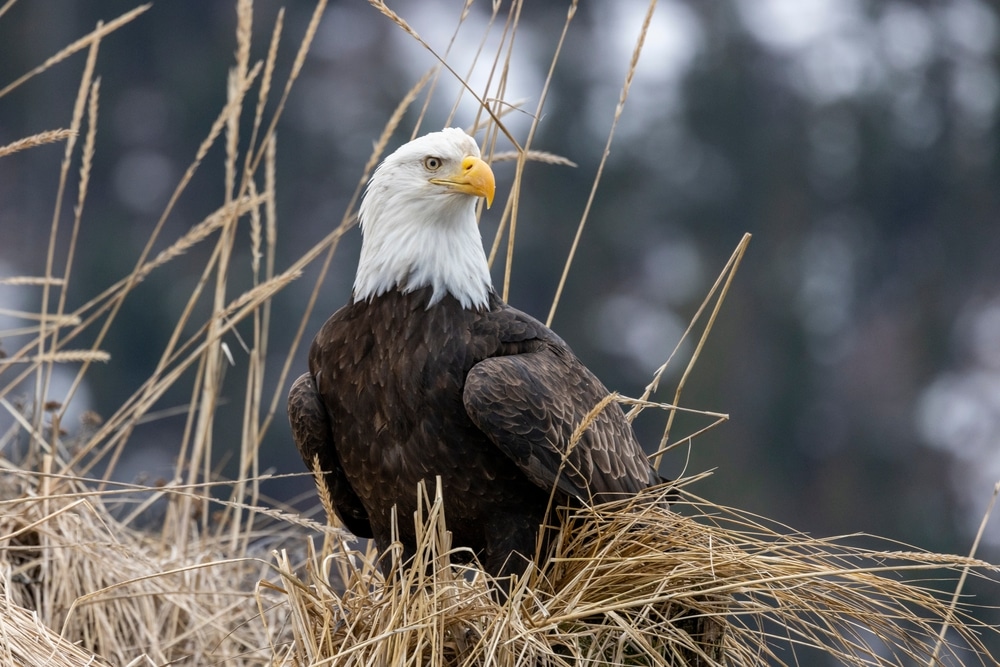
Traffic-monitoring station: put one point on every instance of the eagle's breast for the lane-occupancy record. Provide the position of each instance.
(403, 420)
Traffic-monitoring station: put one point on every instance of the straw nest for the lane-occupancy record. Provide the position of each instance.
(635, 583)
(628, 583)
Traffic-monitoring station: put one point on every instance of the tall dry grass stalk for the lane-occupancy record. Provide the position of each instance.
(77, 574)
(229, 578)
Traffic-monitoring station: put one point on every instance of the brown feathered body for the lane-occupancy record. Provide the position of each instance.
(427, 374)
(487, 400)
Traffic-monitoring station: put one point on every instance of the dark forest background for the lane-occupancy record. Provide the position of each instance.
(858, 354)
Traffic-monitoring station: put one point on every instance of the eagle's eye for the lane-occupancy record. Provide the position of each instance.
(432, 163)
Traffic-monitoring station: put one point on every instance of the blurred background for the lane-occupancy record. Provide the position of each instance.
(858, 353)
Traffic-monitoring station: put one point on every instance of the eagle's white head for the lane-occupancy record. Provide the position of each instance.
(418, 221)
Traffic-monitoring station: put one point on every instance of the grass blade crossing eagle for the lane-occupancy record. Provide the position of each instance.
(427, 372)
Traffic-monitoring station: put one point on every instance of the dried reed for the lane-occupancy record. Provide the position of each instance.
(40, 139)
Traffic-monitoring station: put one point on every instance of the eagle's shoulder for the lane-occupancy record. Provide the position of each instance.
(515, 330)
(531, 397)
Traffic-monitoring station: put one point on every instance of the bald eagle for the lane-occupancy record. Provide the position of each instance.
(427, 373)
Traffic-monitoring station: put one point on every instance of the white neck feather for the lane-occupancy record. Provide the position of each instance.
(412, 243)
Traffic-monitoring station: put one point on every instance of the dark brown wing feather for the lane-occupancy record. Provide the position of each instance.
(314, 439)
(529, 405)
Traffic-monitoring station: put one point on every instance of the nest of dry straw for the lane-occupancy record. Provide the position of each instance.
(629, 583)
(635, 583)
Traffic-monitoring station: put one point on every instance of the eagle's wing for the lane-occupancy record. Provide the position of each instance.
(530, 404)
(313, 437)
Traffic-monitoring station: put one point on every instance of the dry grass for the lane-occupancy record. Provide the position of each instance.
(118, 592)
(229, 578)
(633, 583)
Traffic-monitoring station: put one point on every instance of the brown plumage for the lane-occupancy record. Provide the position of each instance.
(410, 382)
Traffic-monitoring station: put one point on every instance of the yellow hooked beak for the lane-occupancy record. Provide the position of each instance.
(473, 177)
